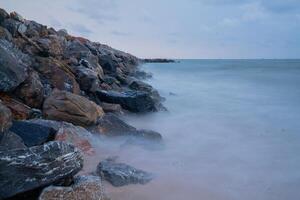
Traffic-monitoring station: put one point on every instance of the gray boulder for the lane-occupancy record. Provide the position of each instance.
(23, 170)
(134, 101)
(120, 174)
(10, 140)
(13, 66)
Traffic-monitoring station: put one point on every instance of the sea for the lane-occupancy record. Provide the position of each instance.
(231, 132)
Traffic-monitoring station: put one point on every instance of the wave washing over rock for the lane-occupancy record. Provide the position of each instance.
(57, 92)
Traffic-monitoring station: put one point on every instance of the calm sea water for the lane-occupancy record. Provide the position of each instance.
(232, 132)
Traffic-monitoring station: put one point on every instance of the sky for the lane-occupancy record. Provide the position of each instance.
(176, 28)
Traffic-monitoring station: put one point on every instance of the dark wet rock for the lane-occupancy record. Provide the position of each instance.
(10, 141)
(120, 174)
(19, 110)
(142, 86)
(87, 78)
(84, 187)
(67, 132)
(13, 66)
(23, 170)
(111, 108)
(65, 106)
(5, 118)
(31, 91)
(33, 134)
(111, 125)
(3, 15)
(159, 60)
(135, 101)
(142, 74)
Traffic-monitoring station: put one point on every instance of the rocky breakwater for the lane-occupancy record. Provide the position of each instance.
(58, 91)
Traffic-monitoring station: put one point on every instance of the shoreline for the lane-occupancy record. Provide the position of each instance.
(58, 92)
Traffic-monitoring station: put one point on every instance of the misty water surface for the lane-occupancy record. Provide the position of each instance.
(232, 132)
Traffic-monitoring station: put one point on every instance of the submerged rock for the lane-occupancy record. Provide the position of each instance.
(120, 174)
(135, 101)
(22, 170)
(84, 187)
(65, 106)
(33, 134)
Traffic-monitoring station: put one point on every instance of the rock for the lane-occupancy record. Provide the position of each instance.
(23, 170)
(5, 34)
(19, 110)
(159, 60)
(10, 141)
(3, 15)
(84, 187)
(67, 132)
(16, 16)
(141, 86)
(13, 71)
(62, 32)
(87, 78)
(52, 45)
(35, 29)
(135, 101)
(31, 91)
(14, 27)
(58, 74)
(65, 106)
(120, 174)
(111, 108)
(142, 74)
(111, 125)
(5, 118)
(75, 135)
(33, 134)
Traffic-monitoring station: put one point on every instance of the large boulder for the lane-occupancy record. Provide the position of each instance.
(5, 118)
(65, 106)
(120, 174)
(3, 15)
(87, 78)
(84, 187)
(51, 45)
(31, 91)
(22, 170)
(33, 134)
(111, 125)
(13, 67)
(135, 101)
(10, 140)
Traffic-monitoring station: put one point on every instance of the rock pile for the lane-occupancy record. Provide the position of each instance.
(56, 90)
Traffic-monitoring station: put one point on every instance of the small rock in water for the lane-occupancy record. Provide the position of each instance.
(120, 174)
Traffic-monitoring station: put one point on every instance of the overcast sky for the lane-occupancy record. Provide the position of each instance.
(177, 28)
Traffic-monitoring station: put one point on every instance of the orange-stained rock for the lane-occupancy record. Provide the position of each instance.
(75, 135)
(19, 110)
(58, 74)
(65, 106)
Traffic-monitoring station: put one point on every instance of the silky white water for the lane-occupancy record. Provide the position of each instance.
(232, 132)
